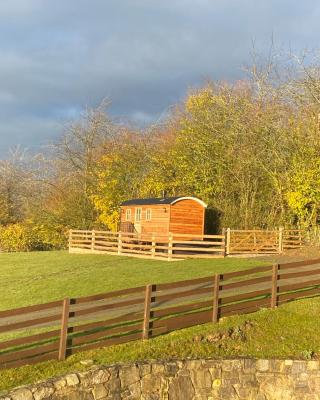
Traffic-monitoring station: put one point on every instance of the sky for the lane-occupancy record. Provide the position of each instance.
(59, 57)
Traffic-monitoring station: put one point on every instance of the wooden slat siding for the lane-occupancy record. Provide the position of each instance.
(186, 212)
(64, 329)
(215, 303)
(244, 296)
(246, 272)
(165, 312)
(101, 334)
(159, 220)
(108, 295)
(29, 339)
(183, 321)
(180, 295)
(285, 297)
(146, 312)
(29, 323)
(301, 285)
(24, 354)
(105, 343)
(274, 286)
(299, 264)
(105, 307)
(29, 309)
(30, 361)
(245, 283)
(132, 317)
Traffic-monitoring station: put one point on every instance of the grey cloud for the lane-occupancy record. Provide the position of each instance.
(58, 57)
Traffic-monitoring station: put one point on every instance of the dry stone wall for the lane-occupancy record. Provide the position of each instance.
(244, 379)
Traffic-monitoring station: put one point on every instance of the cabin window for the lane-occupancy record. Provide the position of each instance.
(148, 214)
(128, 214)
(138, 214)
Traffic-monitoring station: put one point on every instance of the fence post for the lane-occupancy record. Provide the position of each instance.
(223, 233)
(280, 239)
(274, 285)
(69, 240)
(170, 246)
(228, 239)
(119, 242)
(64, 329)
(146, 313)
(93, 240)
(215, 309)
(153, 246)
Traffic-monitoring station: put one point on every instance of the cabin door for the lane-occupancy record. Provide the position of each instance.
(137, 220)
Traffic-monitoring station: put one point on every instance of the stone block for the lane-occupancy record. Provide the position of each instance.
(298, 367)
(181, 388)
(201, 378)
(99, 392)
(100, 376)
(22, 394)
(312, 365)
(129, 375)
(72, 380)
(262, 365)
(43, 392)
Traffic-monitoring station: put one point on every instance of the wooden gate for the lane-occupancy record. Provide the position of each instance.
(254, 241)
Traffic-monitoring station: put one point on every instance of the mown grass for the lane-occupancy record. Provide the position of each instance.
(290, 331)
(39, 277)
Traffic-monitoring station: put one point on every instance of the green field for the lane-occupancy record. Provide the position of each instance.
(291, 330)
(39, 277)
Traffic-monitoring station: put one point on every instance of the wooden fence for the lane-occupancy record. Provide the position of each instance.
(162, 247)
(179, 246)
(263, 241)
(57, 329)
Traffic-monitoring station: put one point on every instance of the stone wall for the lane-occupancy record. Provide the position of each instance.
(184, 380)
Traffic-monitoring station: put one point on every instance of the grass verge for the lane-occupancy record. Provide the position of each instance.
(290, 331)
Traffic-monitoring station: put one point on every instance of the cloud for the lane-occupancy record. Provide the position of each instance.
(59, 57)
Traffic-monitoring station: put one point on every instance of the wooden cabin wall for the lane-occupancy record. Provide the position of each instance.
(159, 224)
(187, 216)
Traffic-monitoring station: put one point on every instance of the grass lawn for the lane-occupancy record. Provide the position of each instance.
(39, 277)
(290, 331)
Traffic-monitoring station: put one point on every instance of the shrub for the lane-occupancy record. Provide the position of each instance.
(29, 237)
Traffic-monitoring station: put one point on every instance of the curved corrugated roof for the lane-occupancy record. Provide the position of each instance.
(160, 200)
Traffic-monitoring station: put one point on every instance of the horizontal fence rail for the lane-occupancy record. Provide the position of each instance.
(58, 329)
(172, 246)
(181, 246)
